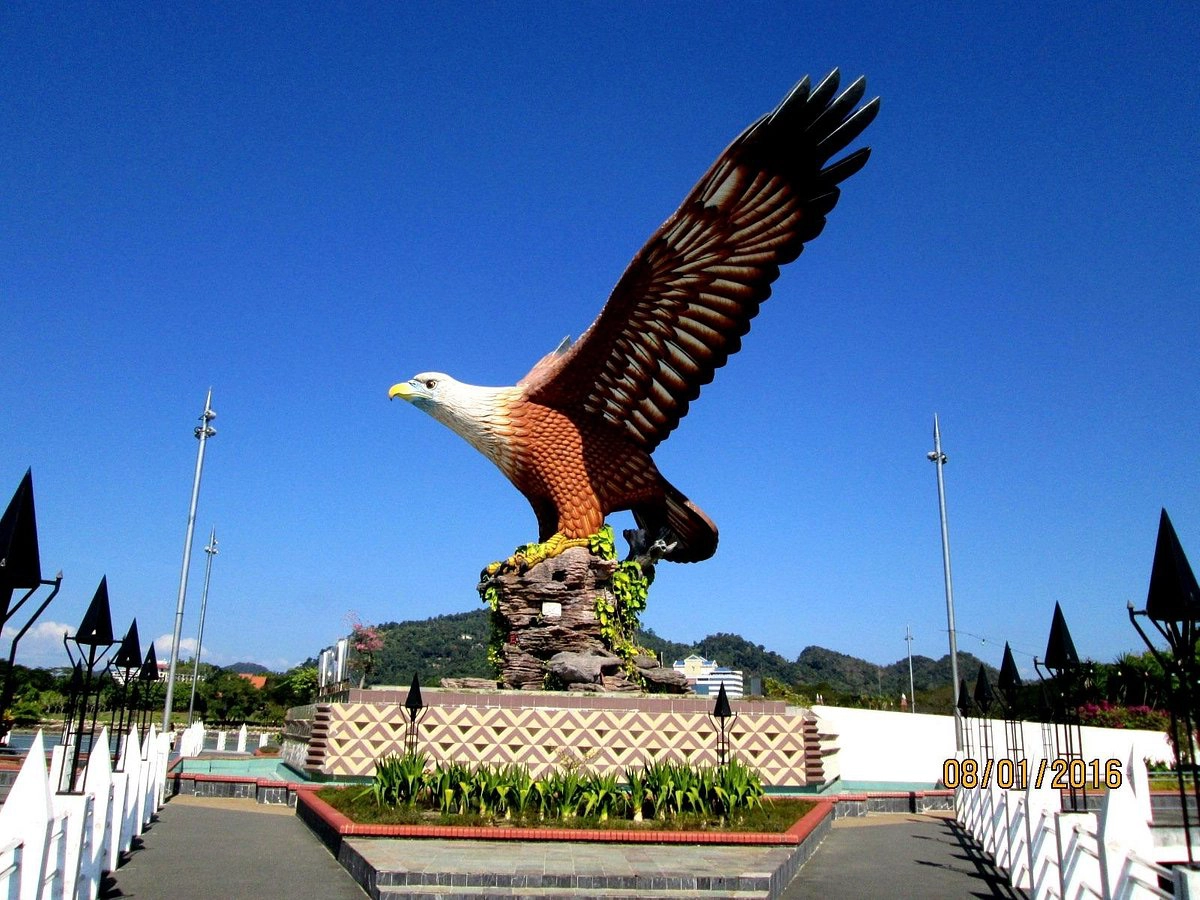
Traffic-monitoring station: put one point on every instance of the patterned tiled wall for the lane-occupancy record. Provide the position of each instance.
(544, 730)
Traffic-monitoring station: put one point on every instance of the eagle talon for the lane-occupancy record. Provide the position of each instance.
(532, 554)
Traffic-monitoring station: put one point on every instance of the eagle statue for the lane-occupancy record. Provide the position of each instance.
(576, 434)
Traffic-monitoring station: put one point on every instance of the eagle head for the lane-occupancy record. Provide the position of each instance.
(426, 390)
(478, 414)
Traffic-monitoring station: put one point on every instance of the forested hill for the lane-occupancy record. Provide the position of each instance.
(819, 667)
(455, 646)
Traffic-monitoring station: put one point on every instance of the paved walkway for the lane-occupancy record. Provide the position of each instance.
(226, 849)
(209, 848)
(902, 855)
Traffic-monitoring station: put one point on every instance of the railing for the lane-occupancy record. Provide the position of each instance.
(1049, 853)
(10, 868)
(54, 845)
(191, 741)
(1144, 874)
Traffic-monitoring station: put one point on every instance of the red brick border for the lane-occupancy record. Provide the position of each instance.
(344, 827)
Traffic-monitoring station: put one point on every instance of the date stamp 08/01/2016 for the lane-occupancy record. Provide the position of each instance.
(1059, 774)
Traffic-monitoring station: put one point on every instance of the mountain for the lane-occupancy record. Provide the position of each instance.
(452, 646)
(455, 646)
(248, 668)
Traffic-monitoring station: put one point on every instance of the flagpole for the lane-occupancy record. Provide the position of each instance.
(940, 459)
(203, 432)
(211, 550)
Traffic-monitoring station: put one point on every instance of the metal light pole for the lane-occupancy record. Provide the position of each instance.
(912, 691)
(940, 459)
(211, 550)
(203, 432)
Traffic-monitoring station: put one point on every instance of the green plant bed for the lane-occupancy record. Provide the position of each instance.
(1169, 781)
(772, 817)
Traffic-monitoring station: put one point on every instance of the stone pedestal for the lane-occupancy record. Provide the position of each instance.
(550, 635)
(544, 729)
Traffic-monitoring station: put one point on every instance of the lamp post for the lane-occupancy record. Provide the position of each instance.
(414, 705)
(722, 712)
(962, 713)
(984, 698)
(92, 640)
(124, 667)
(1062, 686)
(1173, 608)
(203, 432)
(912, 691)
(20, 570)
(147, 678)
(211, 550)
(1009, 685)
(939, 459)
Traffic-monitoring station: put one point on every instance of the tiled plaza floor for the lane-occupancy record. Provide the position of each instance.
(202, 848)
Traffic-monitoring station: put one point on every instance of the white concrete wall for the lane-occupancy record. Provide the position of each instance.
(887, 746)
(907, 747)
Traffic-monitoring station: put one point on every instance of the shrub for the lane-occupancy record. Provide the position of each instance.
(1108, 715)
(661, 789)
(399, 780)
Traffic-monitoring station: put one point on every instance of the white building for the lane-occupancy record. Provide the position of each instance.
(706, 677)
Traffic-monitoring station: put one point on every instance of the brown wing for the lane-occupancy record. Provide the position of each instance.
(687, 298)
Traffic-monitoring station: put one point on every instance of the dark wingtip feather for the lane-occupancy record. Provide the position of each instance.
(837, 139)
(837, 110)
(847, 166)
(822, 93)
(797, 95)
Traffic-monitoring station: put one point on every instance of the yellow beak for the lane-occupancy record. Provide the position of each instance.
(403, 390)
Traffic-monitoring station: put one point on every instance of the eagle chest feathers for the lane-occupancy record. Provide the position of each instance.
(582, 466)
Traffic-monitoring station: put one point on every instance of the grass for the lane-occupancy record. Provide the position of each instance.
(774, 817)
(1169, 781)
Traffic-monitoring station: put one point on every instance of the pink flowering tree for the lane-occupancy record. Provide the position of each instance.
(365, 642)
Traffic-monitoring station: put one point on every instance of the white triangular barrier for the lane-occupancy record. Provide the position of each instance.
(70, 838)
(149, 778)
(54, 845)
(1018, 849)
(191, 741)
(1078, 855)
(26, 817)
(131, 768)
(1126, 842)
(98, 782)
(1048, 853)
(161, 771)
(1041, 838)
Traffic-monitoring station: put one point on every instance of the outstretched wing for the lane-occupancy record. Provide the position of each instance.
(687, 298)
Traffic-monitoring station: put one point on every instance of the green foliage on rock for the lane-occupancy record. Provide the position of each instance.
(619, 616)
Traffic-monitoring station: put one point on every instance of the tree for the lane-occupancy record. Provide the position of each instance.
(231, 699)
(296, 687)
(366, 642)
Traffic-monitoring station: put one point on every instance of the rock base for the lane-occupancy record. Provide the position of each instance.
(551, 635)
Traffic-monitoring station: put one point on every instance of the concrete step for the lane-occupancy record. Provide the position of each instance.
(413, 892)
(458, 884)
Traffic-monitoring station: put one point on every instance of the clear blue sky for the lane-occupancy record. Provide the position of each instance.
(299, 205)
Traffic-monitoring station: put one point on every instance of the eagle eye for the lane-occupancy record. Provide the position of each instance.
(430, 383)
